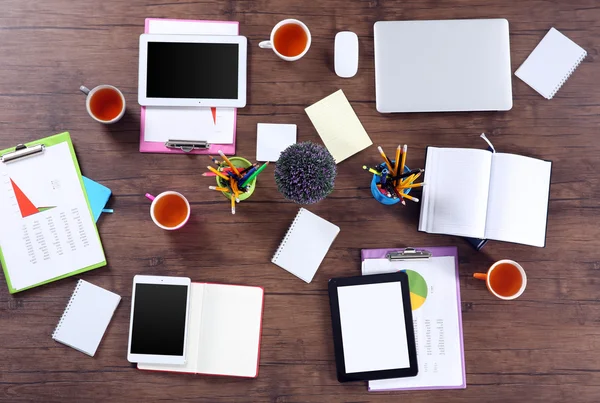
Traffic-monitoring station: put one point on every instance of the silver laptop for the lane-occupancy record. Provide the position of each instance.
(442, 66)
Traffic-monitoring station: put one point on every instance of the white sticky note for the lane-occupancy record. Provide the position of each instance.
(272, 139)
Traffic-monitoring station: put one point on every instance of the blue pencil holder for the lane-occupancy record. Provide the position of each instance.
(380, 197)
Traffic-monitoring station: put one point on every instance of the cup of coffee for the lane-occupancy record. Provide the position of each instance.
(290, 40)
(169, 210)
(104, 103)
(506, 279)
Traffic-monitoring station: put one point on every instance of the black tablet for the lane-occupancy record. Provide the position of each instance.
(373, 333)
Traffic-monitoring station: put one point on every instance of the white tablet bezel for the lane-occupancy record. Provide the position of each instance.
(151, 358)
(242, 43)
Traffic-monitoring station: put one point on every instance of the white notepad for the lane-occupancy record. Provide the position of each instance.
(339, 127)
(223, 335)
(272, 139)
(551, 63)
(86, 317)
(305, 245)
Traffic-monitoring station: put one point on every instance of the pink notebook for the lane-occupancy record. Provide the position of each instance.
(192, 27)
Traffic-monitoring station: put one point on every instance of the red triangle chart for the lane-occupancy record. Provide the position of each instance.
(214, 113)
(25, 205)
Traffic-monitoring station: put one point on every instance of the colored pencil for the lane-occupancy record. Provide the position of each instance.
(245, 170)
(211, 169)
(229, 163)
(409, 197)
(374, 172)
(220, 189)
(410, 179)
(209, 174)
(385, 159)
(214, 160)
(404, 149)
(397, 161)
(232, 205)
(255, 174)
(407, 174)
(236, 192)
(414, 185)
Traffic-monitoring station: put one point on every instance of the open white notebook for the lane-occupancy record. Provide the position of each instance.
(86, 317)
(223, 331)
(305, 245)
(479, 194)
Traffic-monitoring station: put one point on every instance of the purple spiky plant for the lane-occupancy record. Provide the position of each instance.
(305, 173)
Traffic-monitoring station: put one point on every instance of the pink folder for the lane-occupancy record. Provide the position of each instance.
(159, 147)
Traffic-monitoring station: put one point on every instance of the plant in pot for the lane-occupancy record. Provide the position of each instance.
(305, 173)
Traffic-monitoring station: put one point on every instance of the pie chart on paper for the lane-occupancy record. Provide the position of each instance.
(418, 289)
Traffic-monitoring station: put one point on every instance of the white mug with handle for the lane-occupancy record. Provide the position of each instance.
(293, 38)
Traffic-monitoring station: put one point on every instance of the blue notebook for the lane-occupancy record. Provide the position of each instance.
(98, 196)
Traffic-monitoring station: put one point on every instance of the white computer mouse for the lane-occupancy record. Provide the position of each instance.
(345, 55)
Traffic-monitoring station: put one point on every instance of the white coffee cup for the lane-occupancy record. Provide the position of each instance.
(270, 43)
(90, 95)
(157, 199)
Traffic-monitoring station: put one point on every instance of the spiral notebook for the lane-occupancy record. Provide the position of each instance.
(551, 63)
(86, 317)
(305, 245)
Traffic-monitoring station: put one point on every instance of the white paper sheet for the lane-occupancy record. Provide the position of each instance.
(373, 312)
(53, 242)
(517, 209)
(455, 197)
(436, 322)
(189, 123)
(272, 139)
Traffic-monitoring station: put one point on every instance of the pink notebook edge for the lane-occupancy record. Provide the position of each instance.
(157, 147)
(260, 332)
(437, 251)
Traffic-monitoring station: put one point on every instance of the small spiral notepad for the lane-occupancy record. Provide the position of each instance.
(551, 63)
(305, 245)
(86, 317)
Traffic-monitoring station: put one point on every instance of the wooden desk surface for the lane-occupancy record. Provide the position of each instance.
(543, 347)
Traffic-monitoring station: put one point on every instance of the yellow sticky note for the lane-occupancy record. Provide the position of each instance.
(338, 126)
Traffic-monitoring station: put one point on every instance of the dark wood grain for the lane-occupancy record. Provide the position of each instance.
(545, 347)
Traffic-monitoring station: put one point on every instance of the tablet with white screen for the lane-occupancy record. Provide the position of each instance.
(192, 70)
(159, 320)
(373, 331)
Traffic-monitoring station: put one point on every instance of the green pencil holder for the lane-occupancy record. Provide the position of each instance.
(242, 163)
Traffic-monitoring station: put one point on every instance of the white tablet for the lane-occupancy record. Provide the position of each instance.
(159, 320)
(192, 70)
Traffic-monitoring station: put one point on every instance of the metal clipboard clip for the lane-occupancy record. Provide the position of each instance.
(22, 152)
(409, 254)
(186, 145)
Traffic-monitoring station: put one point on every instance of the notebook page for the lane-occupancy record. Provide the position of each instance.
(456, 191)
(518, 201)
(192, 336)
(338, 126)
(230, 330)
(551, 63)
(189, 123)
(305, 245)
(373, 327)
(86, 319)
